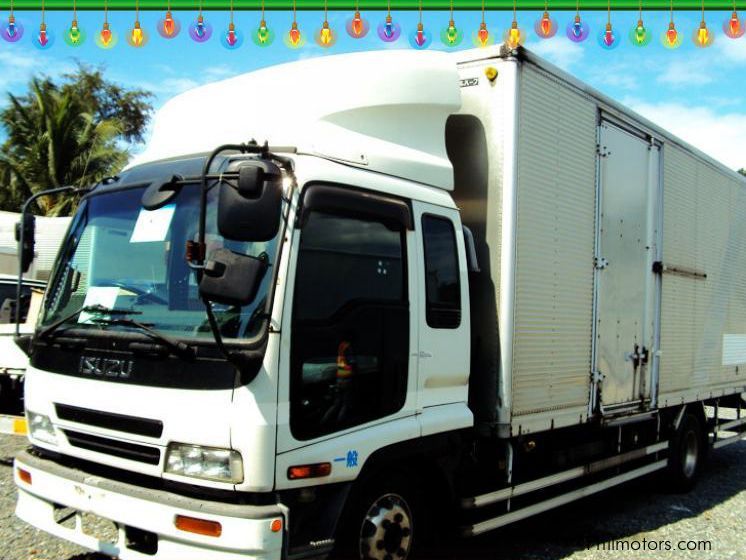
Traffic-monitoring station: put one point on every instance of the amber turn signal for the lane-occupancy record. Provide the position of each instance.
(24, 475)
(198, 526)
(317, 470)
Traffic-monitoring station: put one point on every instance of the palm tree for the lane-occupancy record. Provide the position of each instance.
(55, 138)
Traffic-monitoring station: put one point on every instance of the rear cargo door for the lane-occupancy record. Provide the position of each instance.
(626, 247)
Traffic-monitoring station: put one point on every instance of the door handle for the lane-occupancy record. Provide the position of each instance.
(639, 357)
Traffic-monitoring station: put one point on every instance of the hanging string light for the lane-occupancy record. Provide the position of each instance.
(389, 31)
(639, 34)
(514, 37)
(326, 37)
(200, 30)
(294, 37)
(420, 37)
(14, 30)
(733, 26)
(232, 38)
(671, 39)
(577, 30)
(168, 27)
(74, 36)
(482, 38)
(264, 36)
(44, 38)
(608, 39)
(137, 37)
(703, 38)
(106, 38)
(451, 36)
(357, 27)
(546, 26)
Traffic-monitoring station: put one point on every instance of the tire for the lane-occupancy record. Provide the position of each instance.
(384, 520)
(686, 454)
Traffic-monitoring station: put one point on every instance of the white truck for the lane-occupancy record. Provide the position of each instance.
(451, 291)
(13, 361)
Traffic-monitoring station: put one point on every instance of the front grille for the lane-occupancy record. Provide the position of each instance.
(110, 421)
(131, 451)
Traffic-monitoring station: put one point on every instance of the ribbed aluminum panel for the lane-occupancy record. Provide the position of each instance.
(49, 235)
(555, 246)
(477, 153)
(702, 319)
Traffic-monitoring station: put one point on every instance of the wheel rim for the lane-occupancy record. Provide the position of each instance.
(691, 454)
(386, 533)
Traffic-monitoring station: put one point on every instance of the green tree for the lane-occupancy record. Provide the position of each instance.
(69, 133)
(742, 171)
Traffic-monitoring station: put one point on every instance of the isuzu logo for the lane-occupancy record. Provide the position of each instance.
(105, 367)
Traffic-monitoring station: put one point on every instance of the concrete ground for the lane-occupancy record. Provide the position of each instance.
(638, 520)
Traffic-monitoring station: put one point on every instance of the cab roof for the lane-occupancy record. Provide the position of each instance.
(384, 111)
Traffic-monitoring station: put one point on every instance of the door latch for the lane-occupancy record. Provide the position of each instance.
(639, 356)
(600, 263)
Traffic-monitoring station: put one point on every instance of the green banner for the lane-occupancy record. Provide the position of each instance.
(191, 5)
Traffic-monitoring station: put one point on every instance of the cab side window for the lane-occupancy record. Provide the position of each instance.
(443, 289)
(350, 325)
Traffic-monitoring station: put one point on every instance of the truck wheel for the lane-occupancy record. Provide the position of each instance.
(686, 455)
(380, 524)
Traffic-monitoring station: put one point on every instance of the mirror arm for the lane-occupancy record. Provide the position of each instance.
(243, 148)
(24, 210)
(237, 359)
(252, 147)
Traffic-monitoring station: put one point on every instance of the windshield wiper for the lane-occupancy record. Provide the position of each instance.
(180, 348)
(97, 308)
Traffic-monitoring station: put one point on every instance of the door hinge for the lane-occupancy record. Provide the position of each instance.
(597, 376)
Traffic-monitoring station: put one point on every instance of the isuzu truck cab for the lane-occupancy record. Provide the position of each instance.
(328, 311)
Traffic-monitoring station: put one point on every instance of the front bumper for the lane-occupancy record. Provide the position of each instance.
(246, 531)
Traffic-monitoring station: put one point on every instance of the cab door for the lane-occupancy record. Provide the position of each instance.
(443, 319)
(348, 361)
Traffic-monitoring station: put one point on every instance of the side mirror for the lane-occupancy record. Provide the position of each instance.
(27, 225)
(157, 195)
(231, 278)
(251, 211)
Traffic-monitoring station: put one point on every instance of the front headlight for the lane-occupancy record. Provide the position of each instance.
(41, 428)
(222, 465)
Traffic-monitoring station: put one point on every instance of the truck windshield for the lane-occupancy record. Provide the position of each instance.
(120, 256)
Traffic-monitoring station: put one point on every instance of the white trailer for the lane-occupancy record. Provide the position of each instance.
(49, 235)
(460, 290)
(13, 361)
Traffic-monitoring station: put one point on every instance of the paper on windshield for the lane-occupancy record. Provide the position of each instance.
(105, 296)
(152, 225)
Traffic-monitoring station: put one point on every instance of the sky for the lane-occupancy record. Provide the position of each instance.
(698, 94)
